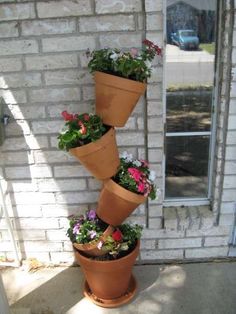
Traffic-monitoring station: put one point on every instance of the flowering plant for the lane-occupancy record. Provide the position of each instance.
(80, 129)
(135, 176)
(131, 64)
(89, 228)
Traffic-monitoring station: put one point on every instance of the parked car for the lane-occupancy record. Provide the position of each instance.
(185, 39)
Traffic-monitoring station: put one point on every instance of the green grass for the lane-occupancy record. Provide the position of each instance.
(210, 48)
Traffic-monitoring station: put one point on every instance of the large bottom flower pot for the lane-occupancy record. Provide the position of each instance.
(108, 280)
(91, 249)
(101, 158)
(116, 97)
(115, 203)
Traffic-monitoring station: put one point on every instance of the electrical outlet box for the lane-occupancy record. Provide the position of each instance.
(2, 126)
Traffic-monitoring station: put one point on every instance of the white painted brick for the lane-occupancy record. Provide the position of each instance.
(232, 122)
(230, 167)
(16, 97)
(162, 255)
(206, 252)
(214, 231)
(147, 244)
(155, 124)
(94, 184)
(17, 128)
(42, 246)
(62, 257)
(207, 217)
(155, 211)
(40, 171)
(5, 246)
(51, 185)
(8, 30)
(227, 207)
(232, 106)
(55, 111)
(26, 235)
(27, 112)
(183, 218)
(43, 257)
(153, 5)
(230, 140)
(20, 80)
(18, 47)
(226, 220)
(157, 38)
(75, 198)
(68, 77)
(27, 210)
(229, 182)
(57, 156)
(68, 43)
(128, 139)
(33, 198)
(17, 11)
(67, 246)
(130, 124)
(25, 143)
(157, 74)
(140, 220)
(47, 127)
(155, 223)
(51, 62)
(37, 223)
(216, 241)
(54, 94)
(28, 172)
(56, 235)
(154, 91)
(230, 152)
(155, 140)
(162, 234)
(194, 216)
(141, 104)
(10, 64)
(22, 185)
(229, 195)
(102, 6)
(66, 8)
(155, 108)
(60, 210)
(15, 158)
(88, 92)
(155, 155)
(48, 27)
(70, 171)
(179, 243)
(107, 23)
(170, 218)
(121, 40)
(154, 22)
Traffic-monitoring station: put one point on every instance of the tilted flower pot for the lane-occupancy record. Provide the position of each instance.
(91, 249)
(116, 203)
(109, 283)
(116, 97)
(101, 158)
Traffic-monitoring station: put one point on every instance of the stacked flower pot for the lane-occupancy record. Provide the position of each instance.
(109, 282)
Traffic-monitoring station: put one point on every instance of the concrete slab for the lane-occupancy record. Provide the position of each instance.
(204, 288)
(21, 311)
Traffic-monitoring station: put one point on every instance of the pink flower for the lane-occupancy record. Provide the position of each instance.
(141, 187)
(134, 52)
(135, 174)
(144, 163)
(82, 128)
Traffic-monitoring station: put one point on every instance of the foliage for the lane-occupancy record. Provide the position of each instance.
(88, 228)
(131, 64)
(80, 129)
(134, 175)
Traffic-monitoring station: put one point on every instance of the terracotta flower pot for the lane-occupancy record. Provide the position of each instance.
(115, 203)
(116, 97)
(101, 158)
(108, 280)
(91, 249)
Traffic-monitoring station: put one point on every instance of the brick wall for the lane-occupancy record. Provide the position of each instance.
(43, 70)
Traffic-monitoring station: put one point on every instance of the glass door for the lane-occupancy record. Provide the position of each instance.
(190, 64)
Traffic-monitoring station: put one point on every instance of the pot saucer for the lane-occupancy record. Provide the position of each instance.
(110, 303)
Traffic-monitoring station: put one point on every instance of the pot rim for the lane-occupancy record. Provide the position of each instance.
(123, 83)
(94, 146)
(117, 261)
(123, 193)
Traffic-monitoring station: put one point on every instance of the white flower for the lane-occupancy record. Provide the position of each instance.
(148, 64)
(137, 163)
(99, 245)
(114, 56)
(127, 157)
(152, 175)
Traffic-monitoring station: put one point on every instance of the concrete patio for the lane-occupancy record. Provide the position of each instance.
(203, 288)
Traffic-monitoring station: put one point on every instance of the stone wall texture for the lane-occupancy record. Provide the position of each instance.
(43, 71)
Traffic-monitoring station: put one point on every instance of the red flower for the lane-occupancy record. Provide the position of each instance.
(141, 187)
(86, 117)
(135, 174)
(67, 116)
(117, 235)
(82, 128)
